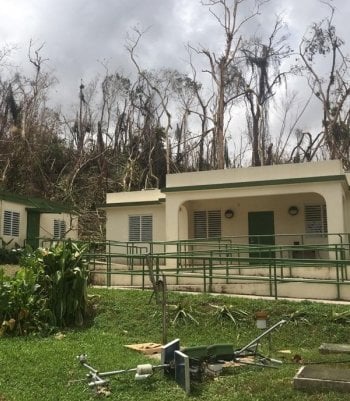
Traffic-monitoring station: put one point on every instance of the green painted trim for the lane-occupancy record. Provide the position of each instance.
(41, 205)
(124, 204)
(283, 181)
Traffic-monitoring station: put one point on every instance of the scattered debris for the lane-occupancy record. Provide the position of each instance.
(298, 359)
(329, 348)
(322, 378)
(189, 363)
(146, 348)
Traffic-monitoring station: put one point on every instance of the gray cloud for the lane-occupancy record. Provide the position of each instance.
(79, 34)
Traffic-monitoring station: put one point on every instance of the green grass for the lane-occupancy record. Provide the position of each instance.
(46, 369)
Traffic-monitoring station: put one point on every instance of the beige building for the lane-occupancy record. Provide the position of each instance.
(31, 221)
(288, 204)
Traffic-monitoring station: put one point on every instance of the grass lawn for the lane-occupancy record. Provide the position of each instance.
(45, 369)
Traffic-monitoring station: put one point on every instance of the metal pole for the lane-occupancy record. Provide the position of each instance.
(265, 333)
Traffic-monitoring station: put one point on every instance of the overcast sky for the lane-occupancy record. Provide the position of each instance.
(80, 34)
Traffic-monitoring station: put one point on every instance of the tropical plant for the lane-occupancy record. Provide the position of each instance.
(63, 280)
(22, 309)
(48, 291)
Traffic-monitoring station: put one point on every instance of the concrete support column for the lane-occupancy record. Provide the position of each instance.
(333, 196)
(172, 207)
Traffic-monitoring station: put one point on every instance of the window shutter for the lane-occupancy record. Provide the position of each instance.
(200, 224)
(11, 223)
(59, 229)
(140, 228)
(214, 223)
(324, 218)
(7, 222)
(207, 224)
(56, 229)
(316, 219)
(146, 228)
(15, 224)
(134, 228)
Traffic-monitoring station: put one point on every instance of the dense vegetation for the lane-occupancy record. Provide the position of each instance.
(48, 292)
(47, 369)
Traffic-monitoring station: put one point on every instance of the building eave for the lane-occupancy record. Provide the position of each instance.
(132, 204)
(232, 185)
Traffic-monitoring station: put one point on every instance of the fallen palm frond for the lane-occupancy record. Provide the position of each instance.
(183, 316)
(228, 313)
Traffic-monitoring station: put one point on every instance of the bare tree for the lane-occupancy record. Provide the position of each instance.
(261, 80)
(330, 85)
(223, 67)
(162, 94)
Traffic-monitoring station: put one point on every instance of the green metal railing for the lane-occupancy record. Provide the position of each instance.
(295, 258)
(224, 260)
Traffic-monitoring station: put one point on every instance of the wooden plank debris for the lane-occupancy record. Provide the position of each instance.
(146, 348)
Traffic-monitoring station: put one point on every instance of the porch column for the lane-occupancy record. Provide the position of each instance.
(335, 209)
(172, 219)
(171, 222)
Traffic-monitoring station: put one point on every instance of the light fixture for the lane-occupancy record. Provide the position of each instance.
(293, 210)
(229, 213)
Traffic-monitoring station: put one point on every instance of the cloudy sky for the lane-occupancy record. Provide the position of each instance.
(79, 35)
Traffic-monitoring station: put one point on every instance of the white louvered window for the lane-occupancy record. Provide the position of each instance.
(207, 223)
(141, 228)
(59, 229)
(11, 223)
(316, 219)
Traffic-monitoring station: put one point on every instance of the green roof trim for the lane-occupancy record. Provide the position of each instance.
(37, 204)
(245, 184)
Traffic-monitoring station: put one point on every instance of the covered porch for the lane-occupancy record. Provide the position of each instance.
(298, 205)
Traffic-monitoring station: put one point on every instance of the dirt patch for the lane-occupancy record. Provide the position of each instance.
(10, 270)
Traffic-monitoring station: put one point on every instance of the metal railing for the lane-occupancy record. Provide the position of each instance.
(223, 260)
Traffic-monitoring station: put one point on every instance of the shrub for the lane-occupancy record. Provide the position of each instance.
(49, 290)
(9, 256)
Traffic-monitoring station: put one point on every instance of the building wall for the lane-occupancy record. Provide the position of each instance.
(253, 174)
(117, 225)
(47, 224)
(21, 209)
(238, 225)
(259, 198)
(242, 190)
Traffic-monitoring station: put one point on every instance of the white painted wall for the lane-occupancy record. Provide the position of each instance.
(47, 224)
(238, 225)
(117, 224)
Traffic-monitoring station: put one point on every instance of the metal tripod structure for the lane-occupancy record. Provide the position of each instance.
(190, 363)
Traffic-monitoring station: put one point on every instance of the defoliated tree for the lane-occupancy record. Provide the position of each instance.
(223, 67)
(262, 78)
(327, 70)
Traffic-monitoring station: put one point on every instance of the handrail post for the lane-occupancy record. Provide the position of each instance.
(275, 278)
(338, 283)
(109, 270)
(211, 273)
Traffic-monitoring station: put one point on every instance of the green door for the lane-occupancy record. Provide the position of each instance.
(33, 228)
(261, 228)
